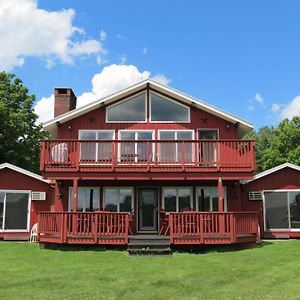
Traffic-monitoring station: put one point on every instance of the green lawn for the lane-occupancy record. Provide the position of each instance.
(268, 272)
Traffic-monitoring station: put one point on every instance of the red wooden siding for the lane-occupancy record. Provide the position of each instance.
(12, 180)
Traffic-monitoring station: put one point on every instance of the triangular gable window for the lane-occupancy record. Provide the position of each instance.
(131, 110)
(166, 110)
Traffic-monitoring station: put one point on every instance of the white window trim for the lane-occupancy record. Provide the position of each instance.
(177, 197)
(28, 210)
(80, 131)
(210, 198)
(208, 129)
(127, 99)
(176, 152)
(171, 100)
(289, 212)
(118, 188)
(70, 199)
(135, 146)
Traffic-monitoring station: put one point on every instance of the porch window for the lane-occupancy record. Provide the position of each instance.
(118, 199)
(96, 151)
(177, 199)
(167, 110)
(88, 199)
(282, 210)
(14, 210)
(207, 199)
(136, 151)
(128, 111)
(171, 152)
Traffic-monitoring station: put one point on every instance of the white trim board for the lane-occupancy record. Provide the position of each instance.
(23, 171)
(168, 91)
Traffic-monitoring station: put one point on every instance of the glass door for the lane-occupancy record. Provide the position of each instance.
(148, 209)
(208, 149)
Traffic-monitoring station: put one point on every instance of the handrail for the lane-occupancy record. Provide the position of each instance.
(222, 154)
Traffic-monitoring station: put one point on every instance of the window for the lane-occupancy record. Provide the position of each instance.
(176, 152)
(118, 199)
(14, 210)
(282, 210)
(208, 148)
(96, 151)
(166, 110)
(207, 198)
(177, 199)
(88, 198)
(130, 110)
(136, 151)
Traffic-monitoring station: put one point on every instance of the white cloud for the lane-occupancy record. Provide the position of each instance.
(27, 31)
(292, 109)
(258, 98)
(111, 79)
(103, 35)
(123, 59)
(275, 108)
(145, 50)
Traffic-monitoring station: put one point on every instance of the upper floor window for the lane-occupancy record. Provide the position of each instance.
(166, 110)
(129, 110)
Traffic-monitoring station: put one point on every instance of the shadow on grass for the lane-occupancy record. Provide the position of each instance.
(205, 249)
(95, 248)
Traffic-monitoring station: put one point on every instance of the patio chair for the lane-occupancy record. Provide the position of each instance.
(33, 233)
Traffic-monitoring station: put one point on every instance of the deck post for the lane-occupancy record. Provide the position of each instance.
(220, 195)
(75, 204)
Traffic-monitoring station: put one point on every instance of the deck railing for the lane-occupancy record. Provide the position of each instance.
(205, 228)
(94, 227)
(232, 155)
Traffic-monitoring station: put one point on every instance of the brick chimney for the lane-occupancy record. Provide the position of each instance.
(64, 101)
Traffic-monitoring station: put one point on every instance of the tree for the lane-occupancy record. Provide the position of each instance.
(19, 131)
(277, 145)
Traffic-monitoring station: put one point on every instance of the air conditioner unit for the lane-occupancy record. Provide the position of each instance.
(254, 196)
(38, 196)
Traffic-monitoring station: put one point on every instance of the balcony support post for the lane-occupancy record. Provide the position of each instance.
(75, 206)
(220, 195)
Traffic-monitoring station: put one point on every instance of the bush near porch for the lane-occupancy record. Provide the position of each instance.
(268, 272)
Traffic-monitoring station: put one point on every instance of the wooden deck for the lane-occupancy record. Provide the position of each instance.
(147, 156)
(109, 228)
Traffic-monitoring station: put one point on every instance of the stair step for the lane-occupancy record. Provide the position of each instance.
(164, 251)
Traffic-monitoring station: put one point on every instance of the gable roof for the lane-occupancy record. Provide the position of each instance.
(273, 170)
(244, 126)
(22, 171)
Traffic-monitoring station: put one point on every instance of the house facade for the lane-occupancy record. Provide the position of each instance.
(146, 160)
(22, 195)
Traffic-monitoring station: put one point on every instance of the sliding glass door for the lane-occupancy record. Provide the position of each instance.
(282, 210)
(14, 210)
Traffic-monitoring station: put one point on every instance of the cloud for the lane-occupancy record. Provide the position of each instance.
(292, 109)
(123, 59)
(145, 50)
(27, 31)
(112, 78)
(258, 98)
(103, 35)
(275, 108)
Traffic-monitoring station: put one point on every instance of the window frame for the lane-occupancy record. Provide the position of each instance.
(28, 210)
(70, 200)
(80, 131)
(210, 198)
(171, 100)
(124, 100)
(290, 229)
(177, 197)
(135, 146)
(118, 188)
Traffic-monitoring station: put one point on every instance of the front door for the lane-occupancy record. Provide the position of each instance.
(148, 209)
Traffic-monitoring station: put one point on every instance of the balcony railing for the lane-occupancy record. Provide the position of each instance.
(224, 155)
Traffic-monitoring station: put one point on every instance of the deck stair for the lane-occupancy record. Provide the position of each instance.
(149, 244)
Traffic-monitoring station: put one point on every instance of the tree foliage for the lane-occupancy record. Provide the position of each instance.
(277, 145)
(19, 131)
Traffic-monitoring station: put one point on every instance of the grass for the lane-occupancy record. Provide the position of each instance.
(268, 272)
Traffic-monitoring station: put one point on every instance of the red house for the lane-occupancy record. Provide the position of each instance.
(147, 162)
(22, 195)
(275, 195)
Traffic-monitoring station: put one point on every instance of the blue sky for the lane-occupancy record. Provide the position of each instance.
(241, 56)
